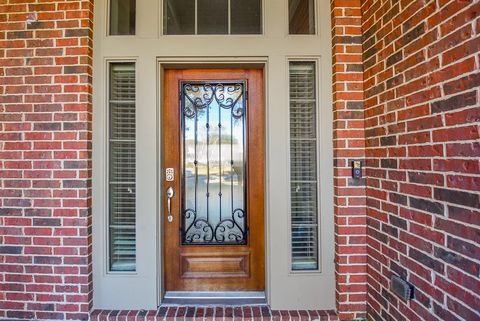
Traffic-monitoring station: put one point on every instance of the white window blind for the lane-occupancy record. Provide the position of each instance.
(121, 175)
(303, 165)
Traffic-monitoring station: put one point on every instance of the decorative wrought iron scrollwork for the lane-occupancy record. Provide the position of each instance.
(227, 231)
(214, 163)
(202, 95)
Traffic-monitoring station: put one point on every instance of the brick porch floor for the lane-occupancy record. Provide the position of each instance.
(193, 313)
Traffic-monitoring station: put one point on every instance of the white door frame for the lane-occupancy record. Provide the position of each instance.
(152, 51)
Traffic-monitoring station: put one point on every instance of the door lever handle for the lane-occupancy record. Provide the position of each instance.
(170, 194)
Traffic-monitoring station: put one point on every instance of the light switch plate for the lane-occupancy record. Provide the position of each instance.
(169, 174)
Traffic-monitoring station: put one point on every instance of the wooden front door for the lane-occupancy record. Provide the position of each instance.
(213, 183)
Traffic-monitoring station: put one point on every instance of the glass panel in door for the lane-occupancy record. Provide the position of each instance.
(213, 125)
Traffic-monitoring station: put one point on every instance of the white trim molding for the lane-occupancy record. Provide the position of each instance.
(152, 52)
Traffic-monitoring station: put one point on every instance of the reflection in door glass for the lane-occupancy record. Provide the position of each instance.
(214, 163)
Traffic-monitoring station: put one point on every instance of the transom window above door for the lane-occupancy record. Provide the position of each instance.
(212, 17)
(209, 17)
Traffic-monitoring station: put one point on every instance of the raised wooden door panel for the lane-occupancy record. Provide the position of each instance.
(214, 139)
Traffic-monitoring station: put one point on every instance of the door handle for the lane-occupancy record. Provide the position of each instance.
(170, 194)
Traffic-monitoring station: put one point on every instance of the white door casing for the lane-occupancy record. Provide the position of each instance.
(152, 52)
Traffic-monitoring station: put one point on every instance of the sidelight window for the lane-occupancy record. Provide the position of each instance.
(303, 165)
(208, 17)
(121, 175)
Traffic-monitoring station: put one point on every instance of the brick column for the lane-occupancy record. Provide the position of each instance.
(349, 144)
(45, 159)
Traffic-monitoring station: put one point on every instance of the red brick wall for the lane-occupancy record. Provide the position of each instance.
(45, 166)
(422, 114)
(412, 91)
(348, 144)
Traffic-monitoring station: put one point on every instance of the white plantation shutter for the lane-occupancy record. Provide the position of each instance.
(303, 166)
(122, 167)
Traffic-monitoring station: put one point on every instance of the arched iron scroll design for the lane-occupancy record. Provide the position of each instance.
(202, 95)
(197, 101)
(227, 231)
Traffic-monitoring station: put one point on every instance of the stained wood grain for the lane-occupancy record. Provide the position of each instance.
(215, 267)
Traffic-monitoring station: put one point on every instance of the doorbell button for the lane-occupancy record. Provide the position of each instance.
(357, 169)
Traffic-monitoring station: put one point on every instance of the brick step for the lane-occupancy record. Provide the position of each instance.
(191, 313)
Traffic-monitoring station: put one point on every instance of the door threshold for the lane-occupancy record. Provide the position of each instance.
(214, 298)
